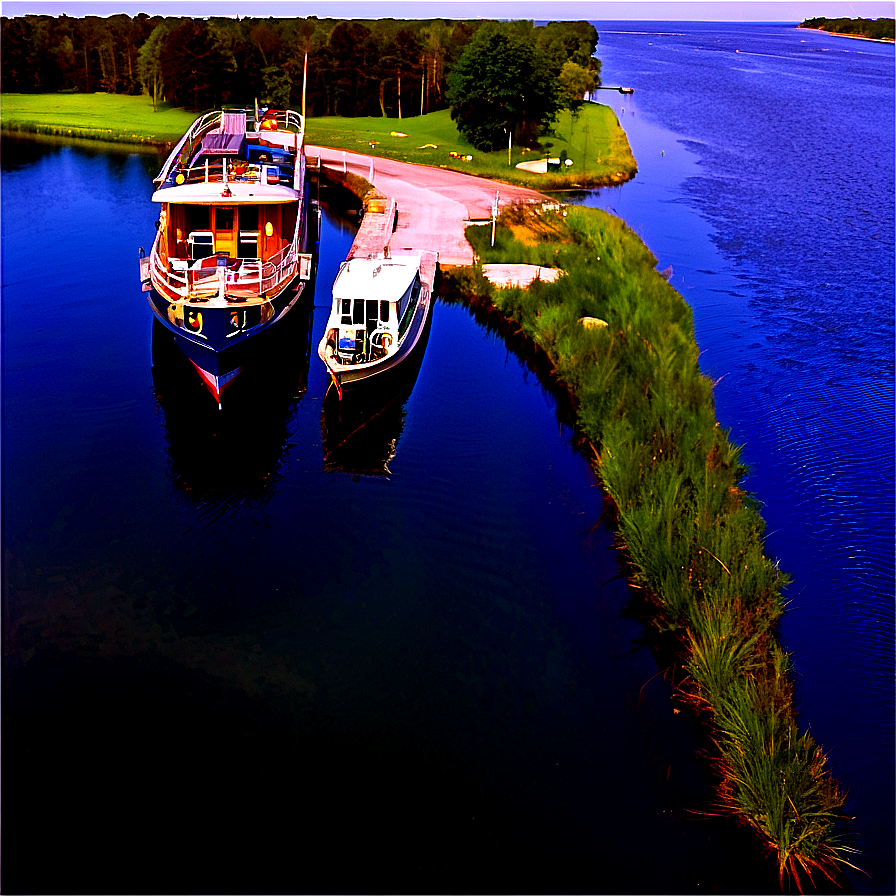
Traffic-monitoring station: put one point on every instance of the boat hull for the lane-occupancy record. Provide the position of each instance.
(388, 372)
(220, 334)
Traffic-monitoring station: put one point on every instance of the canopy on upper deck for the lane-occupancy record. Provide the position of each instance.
(222, 144)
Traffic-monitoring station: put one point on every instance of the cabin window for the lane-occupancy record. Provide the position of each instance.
(358, 312)
(384, 312)
(224, 219)
(197, 218)
(346, 311)
(201, 244)
(247, 219)
(248, 247)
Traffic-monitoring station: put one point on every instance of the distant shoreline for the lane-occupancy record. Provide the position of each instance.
(874, 40)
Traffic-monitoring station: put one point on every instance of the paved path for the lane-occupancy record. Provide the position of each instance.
(434, 204)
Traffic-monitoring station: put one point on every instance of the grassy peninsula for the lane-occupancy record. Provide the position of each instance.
(593, 140)
(619, 341)
(870, 29)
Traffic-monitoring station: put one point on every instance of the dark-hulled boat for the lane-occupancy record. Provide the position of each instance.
(230, 256)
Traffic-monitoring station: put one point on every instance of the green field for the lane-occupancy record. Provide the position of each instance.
(93, 116)
(599, 148)
(595, 142)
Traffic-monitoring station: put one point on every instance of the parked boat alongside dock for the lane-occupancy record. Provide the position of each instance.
(380, 316)
(230, 257)
(382, 304)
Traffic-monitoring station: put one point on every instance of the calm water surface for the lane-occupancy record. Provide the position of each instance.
(245, 651)
(766, 180)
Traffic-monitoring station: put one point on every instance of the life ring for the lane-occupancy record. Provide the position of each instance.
(381, 339)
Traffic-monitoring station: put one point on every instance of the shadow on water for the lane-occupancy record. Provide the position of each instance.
(361, 432)
(223, 457)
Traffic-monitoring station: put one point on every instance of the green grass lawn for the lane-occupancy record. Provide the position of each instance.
(97, 116)
(595, 142)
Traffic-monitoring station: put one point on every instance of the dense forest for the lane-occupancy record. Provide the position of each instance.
(381, 67)
(876, 29)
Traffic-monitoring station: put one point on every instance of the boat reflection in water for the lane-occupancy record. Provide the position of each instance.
(229, 456)
(361, 432)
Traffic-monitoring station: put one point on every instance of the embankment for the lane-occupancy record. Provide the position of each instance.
(616, 342)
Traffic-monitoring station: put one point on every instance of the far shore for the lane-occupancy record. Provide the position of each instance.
(874, 40)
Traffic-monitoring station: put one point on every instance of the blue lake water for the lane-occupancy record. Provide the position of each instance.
(247, 652)
(766, 180)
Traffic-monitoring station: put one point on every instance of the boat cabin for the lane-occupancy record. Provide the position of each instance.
(373, 302)
(193, 232)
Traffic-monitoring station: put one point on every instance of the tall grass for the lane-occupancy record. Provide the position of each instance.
(692, 536)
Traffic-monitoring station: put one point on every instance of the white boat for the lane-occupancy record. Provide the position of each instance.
(230, 256)
(379, 318)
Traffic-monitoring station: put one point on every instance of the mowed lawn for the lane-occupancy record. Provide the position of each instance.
(98, 116)
(595, 142)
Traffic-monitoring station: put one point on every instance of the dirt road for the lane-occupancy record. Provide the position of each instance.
(434, 204)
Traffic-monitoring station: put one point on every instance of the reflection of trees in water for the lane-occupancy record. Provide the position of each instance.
(222, 459)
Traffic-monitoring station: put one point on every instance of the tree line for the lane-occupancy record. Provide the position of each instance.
(382, 67)
(878, 29)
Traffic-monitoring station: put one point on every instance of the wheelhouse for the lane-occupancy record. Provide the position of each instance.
(375, 302)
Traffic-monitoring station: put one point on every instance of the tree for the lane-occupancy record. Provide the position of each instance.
(502, 84)
(194, 65)
(575, 82)
(351, 62)
(149, 63)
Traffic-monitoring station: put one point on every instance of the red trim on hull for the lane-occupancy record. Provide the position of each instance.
(215, 384)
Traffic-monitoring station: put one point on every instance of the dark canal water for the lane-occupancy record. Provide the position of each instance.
(766, 180)
(245, 652)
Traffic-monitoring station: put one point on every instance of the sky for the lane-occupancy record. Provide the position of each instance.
(600, 10)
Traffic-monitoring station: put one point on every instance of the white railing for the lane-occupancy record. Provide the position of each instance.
(194, 135)
(278, 268)
(287, 120)
(217, 172)
(252, 274)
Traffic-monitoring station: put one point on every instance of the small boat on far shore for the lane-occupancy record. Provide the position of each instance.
(380, 316)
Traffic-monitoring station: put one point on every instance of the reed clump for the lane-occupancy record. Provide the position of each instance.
(692, 536)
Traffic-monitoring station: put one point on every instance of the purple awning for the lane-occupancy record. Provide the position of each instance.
(223, 144)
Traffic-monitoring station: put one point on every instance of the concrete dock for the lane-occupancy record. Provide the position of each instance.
(435, 205)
